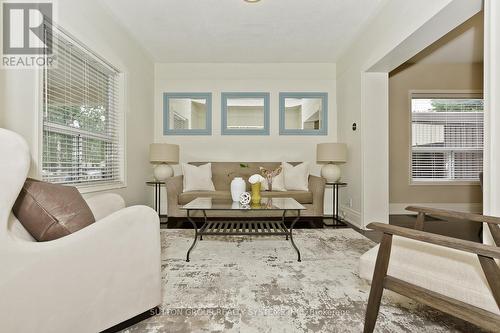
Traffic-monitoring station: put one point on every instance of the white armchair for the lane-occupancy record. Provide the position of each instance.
(88, 281)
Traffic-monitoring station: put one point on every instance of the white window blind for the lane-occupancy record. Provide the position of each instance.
(447, 137)
(81, 122)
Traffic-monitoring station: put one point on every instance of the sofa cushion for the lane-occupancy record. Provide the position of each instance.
(50, 211)
(187, 197)
(450, 272)
(302, 197)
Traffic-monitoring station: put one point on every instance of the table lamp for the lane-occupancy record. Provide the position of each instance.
(331, 154)
(163, 154)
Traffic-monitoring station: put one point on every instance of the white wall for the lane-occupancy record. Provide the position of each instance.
(309, 107)
(375, 156)
(272, 78)
(400, 30)
(91, 23)
(245, 116)
(293, 117)
(491, 196)
(182, 107)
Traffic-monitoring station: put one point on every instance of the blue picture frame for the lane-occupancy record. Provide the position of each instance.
(166, 118)
(323, 130)
(232, 131)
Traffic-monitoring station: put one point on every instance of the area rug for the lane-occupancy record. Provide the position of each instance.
(252, 284)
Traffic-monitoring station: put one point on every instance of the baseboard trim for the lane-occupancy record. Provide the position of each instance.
(134, 320)
(399, 208)
(350, 215)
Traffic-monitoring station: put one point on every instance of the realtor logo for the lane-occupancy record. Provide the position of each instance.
(27, 38)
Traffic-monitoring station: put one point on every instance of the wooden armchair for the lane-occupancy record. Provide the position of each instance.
(483, 255)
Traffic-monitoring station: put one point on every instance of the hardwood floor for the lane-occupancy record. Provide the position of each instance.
(458, 229)
(182, 223)
(452, 228)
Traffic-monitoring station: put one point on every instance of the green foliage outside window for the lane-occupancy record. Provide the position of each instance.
(457, 105)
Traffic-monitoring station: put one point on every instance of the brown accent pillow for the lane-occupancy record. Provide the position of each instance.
(51, 211)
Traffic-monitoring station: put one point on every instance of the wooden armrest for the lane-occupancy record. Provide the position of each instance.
(453, 214)
(427, 237)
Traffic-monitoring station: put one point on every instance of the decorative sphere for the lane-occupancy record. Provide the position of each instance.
(245, 198)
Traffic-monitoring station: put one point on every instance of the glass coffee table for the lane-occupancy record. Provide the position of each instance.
(214, 227)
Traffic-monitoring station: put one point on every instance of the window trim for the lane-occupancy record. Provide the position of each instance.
(37, 154)
(466, 93)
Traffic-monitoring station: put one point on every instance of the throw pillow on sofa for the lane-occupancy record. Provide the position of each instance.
(197, 178)
(51, 211)
(296, 178)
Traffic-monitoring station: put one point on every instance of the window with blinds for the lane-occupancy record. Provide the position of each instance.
(447, 137)
(81, 122)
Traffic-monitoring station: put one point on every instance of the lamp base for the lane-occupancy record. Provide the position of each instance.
(162, 172)
(331, 173)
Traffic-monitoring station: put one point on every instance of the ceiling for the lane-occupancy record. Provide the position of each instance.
(464, 44)
(237, 31)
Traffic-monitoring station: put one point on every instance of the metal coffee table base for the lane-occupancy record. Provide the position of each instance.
(243, 228)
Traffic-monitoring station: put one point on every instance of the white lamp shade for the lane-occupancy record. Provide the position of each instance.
(331, 152)
(163, 153)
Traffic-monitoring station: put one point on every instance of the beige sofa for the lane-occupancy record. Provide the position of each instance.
(222, 175)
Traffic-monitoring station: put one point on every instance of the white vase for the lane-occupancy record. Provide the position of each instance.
(238, 186)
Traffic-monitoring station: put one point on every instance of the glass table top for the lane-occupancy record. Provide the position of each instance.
(265, 204)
